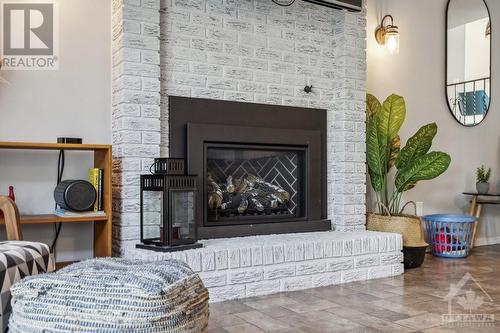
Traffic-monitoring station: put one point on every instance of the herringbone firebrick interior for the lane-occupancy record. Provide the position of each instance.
(413, 302)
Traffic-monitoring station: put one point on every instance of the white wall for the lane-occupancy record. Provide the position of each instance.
(42, 105)
(418, 74)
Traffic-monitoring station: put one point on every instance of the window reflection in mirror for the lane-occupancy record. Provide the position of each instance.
(468, 53)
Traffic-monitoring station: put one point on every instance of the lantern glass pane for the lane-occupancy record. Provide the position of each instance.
(182, 210)
(153, 216)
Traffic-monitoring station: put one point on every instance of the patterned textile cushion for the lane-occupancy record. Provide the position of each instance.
(112, 295)
(19, 259)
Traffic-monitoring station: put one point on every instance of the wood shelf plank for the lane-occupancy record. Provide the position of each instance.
(482, 195)
(51, 146)
(51, 218)
(488, 202)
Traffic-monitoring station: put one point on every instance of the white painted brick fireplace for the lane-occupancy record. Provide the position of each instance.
(239, 50)
(246, 51)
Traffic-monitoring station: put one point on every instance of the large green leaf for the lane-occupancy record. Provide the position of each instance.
(376, 180)
(394, 153)
(391, 117)
(373, 106)
(425, 167)
(383, 124)
(418, 145)
(375, 154)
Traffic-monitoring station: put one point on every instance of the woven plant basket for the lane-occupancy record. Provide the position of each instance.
(409, 226)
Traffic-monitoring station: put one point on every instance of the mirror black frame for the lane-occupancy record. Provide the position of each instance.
(446, 66)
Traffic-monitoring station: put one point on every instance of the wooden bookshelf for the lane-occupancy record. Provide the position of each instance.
(102, 160)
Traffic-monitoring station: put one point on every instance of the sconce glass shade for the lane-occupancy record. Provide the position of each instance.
(388, 35)
(392, 42)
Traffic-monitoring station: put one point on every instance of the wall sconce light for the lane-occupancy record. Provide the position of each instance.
(388, 35)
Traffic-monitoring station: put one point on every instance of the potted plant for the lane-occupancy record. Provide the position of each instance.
(413, 163)
(482, 180)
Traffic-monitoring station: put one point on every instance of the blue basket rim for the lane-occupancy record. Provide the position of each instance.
(450, 218)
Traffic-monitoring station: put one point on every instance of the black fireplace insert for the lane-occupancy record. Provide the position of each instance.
(261, 168)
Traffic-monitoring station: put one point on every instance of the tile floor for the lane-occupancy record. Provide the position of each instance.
(413, 302)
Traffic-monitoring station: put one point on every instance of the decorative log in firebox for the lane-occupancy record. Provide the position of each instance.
(247, 195)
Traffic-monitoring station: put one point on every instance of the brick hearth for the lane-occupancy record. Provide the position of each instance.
(234, 268)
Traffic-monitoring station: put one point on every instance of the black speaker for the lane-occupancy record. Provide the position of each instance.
(75, 195)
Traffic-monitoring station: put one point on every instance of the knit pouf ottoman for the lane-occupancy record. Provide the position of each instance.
(112, 295)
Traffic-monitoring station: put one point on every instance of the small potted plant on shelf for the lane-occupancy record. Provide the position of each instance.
(413, 163)
(482, 180)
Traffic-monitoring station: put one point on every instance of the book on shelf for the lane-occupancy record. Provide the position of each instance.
(95, 177)
(100, 191)
(66, 213)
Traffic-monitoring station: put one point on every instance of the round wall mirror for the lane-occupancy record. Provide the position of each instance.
(468, 60)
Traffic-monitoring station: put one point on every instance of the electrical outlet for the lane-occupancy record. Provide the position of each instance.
(420, 208)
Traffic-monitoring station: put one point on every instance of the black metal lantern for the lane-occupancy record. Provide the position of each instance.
(168, 208)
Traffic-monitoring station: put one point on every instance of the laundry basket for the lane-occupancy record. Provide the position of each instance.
(449, 235)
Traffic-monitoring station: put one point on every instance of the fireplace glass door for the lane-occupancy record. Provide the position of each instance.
(254, 183)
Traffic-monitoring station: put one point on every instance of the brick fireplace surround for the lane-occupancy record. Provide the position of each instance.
(248, 51)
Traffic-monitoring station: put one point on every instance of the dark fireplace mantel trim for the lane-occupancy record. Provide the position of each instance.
(184, 110)
(200, 134)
